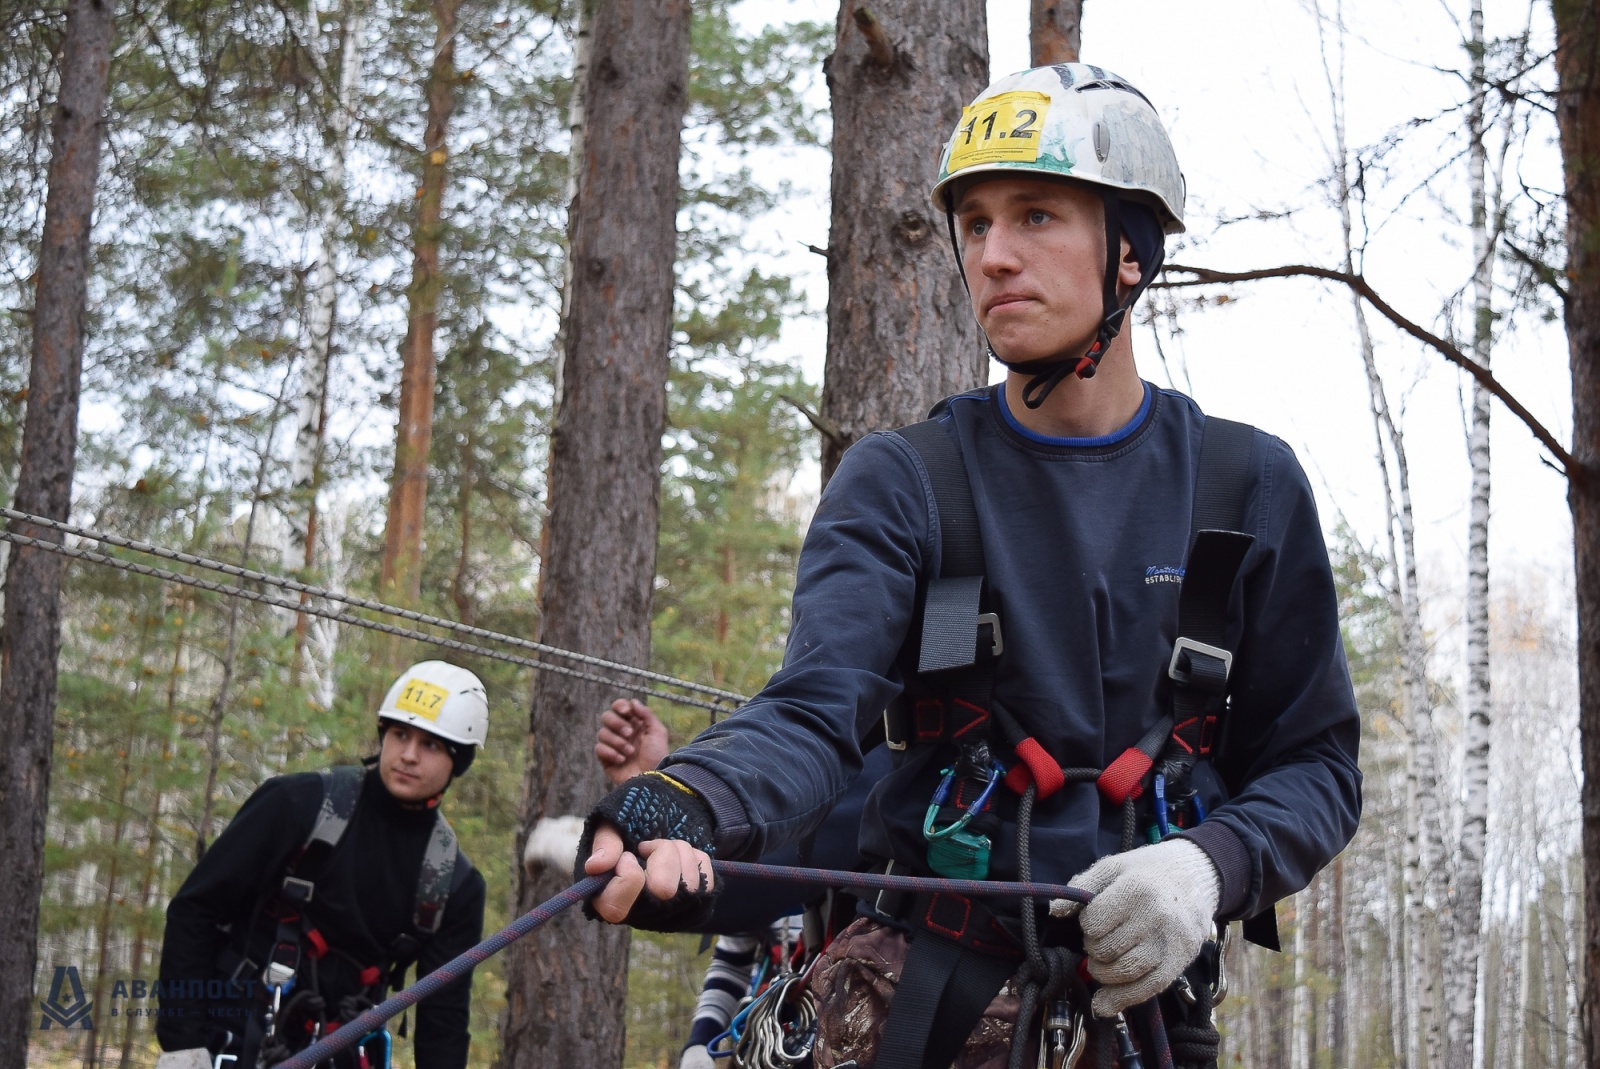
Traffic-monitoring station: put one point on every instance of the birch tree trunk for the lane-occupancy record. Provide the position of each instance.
(1300, 1015)
(1054, 31)
(401, 575)
(1424, 863)
(1578, 117)
(565, 986)
(901, 334)
(1338, 1033)
(30, 637)
(305, 466)
(1467, 886)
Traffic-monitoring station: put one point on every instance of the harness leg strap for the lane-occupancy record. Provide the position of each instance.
(943, 990)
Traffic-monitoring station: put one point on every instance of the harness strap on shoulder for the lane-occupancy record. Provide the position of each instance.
(433, 881)
(1201, 662)
(951, 605)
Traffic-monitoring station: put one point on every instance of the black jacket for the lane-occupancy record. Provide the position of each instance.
(364, 899)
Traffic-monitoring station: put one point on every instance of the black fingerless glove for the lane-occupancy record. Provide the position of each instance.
(656, 806)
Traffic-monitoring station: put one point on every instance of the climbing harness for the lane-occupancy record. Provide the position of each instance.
(953, 970)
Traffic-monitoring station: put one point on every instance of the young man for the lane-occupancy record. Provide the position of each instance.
(1091, 692)
(325, 887)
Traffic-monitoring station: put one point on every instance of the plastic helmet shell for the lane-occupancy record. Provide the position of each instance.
(1072, 120)
(441, 699)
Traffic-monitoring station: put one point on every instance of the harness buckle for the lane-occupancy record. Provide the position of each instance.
(246, 967)
(1196, 664)
(297, 890)
(997, 642)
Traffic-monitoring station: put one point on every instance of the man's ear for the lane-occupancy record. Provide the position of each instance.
(1129, 269)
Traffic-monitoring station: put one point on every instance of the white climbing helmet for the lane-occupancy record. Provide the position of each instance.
(441, 699)
(1072, 120)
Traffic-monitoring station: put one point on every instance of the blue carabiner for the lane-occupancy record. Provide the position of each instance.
(942, 795)
(1161, 805)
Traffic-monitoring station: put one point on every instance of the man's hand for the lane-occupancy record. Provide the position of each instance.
(632, 740)
(670, 866)
(1151, 912)
(660, 820)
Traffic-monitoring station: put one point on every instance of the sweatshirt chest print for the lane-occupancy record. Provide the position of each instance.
(1162, 573)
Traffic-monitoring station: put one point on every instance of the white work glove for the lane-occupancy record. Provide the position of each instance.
(696, 1058)
(1151, 913)
(194, 1058)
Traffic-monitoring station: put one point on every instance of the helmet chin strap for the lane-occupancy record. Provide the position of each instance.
(1048, 373)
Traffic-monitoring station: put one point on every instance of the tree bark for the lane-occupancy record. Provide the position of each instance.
(401, 575)
(30, 639)
(1578, 116)
(1466, 895)
(901, 334)
(1054, 31)
(565, 988)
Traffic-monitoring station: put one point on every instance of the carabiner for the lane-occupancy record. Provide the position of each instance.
(942, 795)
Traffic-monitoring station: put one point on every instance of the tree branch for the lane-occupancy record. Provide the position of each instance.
(823, 424)
(877, 38)
(1541, 270)
(1206, 277)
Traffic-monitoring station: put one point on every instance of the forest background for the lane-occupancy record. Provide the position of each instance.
(223, 228)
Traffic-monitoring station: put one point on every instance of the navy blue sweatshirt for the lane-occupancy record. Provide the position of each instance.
(1082, 539)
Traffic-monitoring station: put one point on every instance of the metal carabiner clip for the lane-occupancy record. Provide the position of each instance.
(942, 795)
(1220, 992)
(1062, 1037)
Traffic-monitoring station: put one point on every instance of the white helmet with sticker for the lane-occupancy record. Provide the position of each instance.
(1071, 120)
(441, 699)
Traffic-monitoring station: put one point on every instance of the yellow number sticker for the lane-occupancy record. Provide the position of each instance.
(421, 698)
(1003, 128)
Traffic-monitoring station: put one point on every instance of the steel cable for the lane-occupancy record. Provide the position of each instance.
(254, 576)
(344, 618)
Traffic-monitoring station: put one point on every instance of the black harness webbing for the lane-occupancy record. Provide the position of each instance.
(952, 602)
(930, 1016)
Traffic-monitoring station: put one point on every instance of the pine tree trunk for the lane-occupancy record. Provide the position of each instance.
(565, 987)
(30, 638)
(401, 575)
(1578, 115)
(1054, 31)
(1461, 977)
(901, 334)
